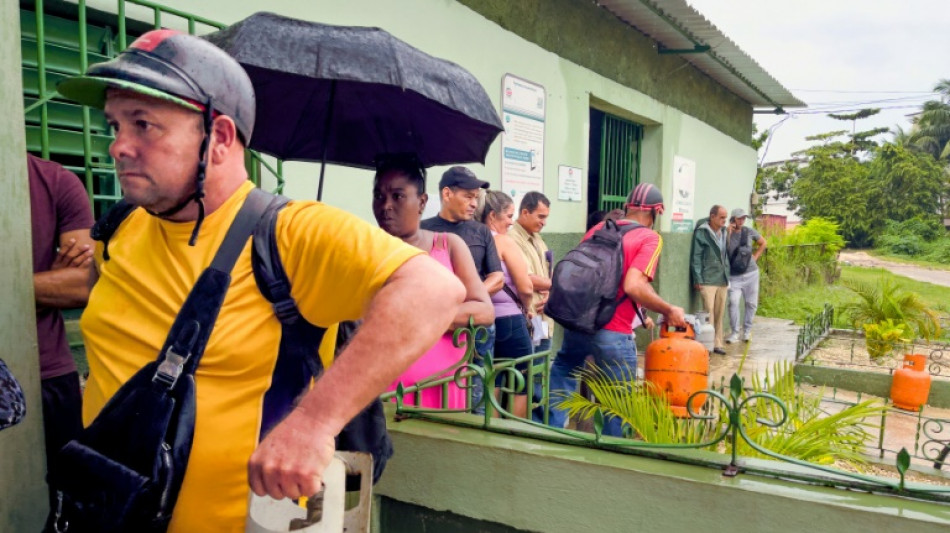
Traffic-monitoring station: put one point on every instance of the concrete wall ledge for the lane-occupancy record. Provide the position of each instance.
(873, 383)
(534, 485)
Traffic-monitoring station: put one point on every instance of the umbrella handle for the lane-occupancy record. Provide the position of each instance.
(326, 138)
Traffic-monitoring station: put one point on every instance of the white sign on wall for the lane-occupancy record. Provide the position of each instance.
(569, 183)
(522, 143)
(684, 195)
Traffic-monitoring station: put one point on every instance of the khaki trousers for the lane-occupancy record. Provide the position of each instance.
(714, 303)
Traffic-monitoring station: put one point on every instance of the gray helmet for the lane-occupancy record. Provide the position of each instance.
(173, 66)
(647, 197)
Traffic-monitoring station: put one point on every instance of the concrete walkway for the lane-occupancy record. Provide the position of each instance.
(773, 340)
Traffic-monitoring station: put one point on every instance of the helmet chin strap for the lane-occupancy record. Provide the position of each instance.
(199, 194)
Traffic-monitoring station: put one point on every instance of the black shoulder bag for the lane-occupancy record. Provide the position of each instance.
(12, 402)
(124, 472)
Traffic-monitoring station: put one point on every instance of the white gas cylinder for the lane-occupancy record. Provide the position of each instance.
(705, 332)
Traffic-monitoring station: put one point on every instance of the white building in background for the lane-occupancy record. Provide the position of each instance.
(776, 208)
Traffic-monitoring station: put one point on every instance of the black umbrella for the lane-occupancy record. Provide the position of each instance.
(347, 94)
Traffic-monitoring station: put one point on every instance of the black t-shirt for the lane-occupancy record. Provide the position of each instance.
(478, 238)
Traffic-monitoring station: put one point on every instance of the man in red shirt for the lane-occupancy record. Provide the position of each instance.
(60, 217)
(612, 347)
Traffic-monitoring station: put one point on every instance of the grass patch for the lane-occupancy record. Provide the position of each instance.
(797, 305)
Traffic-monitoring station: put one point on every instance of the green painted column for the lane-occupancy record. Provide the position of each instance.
(23, 504)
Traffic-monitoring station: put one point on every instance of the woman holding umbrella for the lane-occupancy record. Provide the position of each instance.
(399, 199)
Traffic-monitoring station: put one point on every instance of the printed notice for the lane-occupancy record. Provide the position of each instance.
(522, 143)
(684, 194)
(569, 183)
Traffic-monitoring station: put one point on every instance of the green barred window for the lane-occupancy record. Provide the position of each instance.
(614, 166)
(59, 40)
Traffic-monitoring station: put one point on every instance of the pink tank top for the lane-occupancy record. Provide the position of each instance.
(441, 358)
(440, 250)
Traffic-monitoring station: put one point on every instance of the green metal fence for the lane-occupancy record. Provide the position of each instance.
(729, 415)
(59, 44)
(815, 328)
(619, 160)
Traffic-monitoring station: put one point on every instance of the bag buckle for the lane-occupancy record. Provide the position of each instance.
(60, 525)
(286, 311)
(169, 369)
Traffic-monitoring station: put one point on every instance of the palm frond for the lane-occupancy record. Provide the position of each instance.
(637, 403)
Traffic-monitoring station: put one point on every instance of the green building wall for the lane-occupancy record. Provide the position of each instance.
(446, 478)
(584, 57)
(23, 500)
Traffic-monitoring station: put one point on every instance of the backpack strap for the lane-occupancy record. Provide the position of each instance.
(625, 229)
(743, 239)
(106, 226)
(298, 361)
(189, 333)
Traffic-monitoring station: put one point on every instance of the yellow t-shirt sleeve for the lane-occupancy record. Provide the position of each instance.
(336, 262)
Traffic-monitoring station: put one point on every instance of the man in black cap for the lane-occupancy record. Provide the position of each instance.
(458, 192)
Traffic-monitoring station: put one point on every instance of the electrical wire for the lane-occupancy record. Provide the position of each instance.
(859, 92)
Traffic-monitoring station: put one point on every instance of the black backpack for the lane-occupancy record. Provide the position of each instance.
(741, 257)
(585, 283)
(125, 470)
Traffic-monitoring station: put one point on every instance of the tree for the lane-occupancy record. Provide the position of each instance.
(834, 185)
(932, 127)
(906, 184)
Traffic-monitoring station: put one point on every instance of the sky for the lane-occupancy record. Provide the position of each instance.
(839, 56)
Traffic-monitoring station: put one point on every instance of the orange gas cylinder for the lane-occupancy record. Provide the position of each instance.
(679, 366)
(910, 386)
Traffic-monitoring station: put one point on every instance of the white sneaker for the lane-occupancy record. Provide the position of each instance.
(746, 335)
(733, 338)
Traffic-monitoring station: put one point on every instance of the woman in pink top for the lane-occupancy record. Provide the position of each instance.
(399, 199)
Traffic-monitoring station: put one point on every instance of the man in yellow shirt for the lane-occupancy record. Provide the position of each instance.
(184, 169)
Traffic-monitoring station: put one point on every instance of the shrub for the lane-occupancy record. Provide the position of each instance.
(821, 231)
(883, 301)
(939, 251)
(909, 237)
(805, 255)
(883, 336)
(901, 244)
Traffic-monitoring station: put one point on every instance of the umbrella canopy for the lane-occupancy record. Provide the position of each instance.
(346, 94)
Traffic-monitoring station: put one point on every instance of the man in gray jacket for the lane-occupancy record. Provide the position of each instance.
(709, 267)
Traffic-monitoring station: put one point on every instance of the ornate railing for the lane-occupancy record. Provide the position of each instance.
(727, 415)
(938, 360)
(814, 329)
(937, 355)
(930, 439)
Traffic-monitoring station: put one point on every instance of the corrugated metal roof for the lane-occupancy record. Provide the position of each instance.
(675, 25)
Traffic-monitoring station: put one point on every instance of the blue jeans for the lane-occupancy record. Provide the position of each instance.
(511, 341)
(613, 352)
(537, 414)
(482, 347)
(544, 346)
